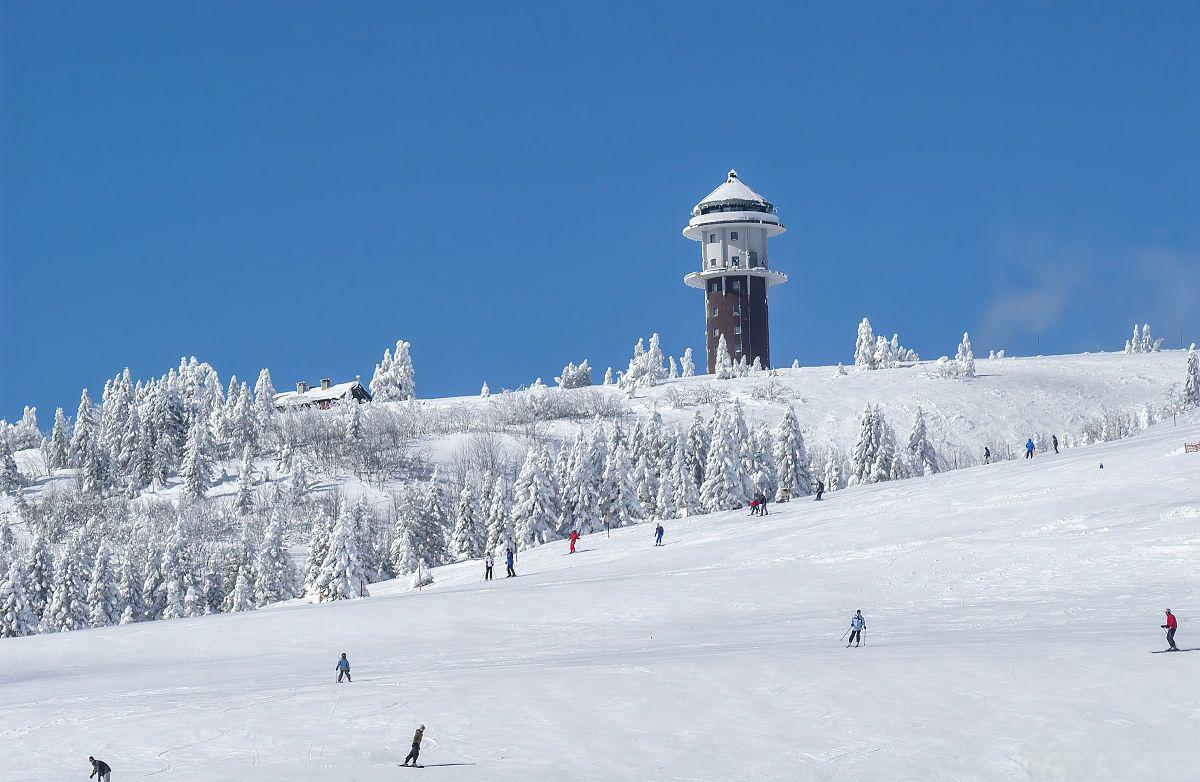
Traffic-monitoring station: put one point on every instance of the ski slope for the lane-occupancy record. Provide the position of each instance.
(1010, 610)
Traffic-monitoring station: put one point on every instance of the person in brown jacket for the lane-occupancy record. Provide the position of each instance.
(416, 748)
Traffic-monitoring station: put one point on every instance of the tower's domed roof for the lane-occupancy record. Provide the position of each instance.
(733, 190)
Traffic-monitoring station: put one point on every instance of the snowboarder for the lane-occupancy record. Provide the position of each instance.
(857, 625)
(820, 489)
(343, 669)
(987, 455)
(100, 769)
(1054, 442)
(658, 533)
(416, 746)
(574, 537)
(785, 494)
(1171, 626)
(508, 560)
(488, 562)
(1029, 448)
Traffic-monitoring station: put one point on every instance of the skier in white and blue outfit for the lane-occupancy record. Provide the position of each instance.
(857, 625)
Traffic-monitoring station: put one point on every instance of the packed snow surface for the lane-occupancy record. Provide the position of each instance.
(1010, 610)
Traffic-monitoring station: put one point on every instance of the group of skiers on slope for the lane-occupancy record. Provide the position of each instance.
(1030, 449)
(489, 562)
(343, 670)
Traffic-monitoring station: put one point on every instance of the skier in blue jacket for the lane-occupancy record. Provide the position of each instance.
(508, 560)
(343, 669)
(1029, 449)
(857, 625)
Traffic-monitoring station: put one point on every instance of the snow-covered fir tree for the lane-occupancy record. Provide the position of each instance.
(241, 597)
(871, 460)
(469, 534)
(833, 471)
(726, 483)
(535, 509)
(674, 368)
(353, 428)
(498, 521)
(10, 476)
(39, 573)
(435, 520)
(646, 368)
(274, 573)
(724, 365)
(58, 454)
(265, 415)
(318, 548)
(688, 363)
(67, 609)
(243, 501)
(103, 601)
(485, 392)
(791, 457)
(920, 451)
(394, 379)
(761, 463)
(1191, 381)
(683, 475)
(342, 576)
(618, 501)
(864, 346)
(129, 592)
(199, 459)
(965, 358)
(195, 600)
(17, 618)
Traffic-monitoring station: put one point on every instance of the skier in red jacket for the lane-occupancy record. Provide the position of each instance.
(574, 537)
(1171, 626)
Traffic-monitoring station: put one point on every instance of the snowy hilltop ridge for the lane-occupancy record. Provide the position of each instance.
(176, 498)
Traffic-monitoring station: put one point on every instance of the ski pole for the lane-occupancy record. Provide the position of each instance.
(843, 638)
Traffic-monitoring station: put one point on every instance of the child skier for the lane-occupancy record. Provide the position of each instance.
(573, 537)
(343, 669)
(658, 533)
(857, 625)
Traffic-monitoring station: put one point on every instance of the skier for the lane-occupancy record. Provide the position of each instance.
(1054, 442)
(1029, 448)
(658, 533)
(100, 769)
(754, 507)
(416, 747)
(1171, 626)
(820, 488)
(488, 562)
(762, 505)
(987, 455)
(857, 625)
(574, 537)
(343, 669)
(508, 560)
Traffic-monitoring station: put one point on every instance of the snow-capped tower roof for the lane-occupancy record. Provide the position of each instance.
(733, 189)
(733, 202)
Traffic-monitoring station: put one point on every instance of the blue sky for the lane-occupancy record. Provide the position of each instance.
(297, 185)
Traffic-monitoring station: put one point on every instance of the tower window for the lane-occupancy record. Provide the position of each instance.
(712, 238)
(753, 259)
(737, 286)
(733, 236)
(737, 309)
(739, 346)
(714, 312)
(737, 329)
(716, 333)
(737, 262)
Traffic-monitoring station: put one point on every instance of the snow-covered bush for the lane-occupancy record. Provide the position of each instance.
(646, 368)
(1142, 342)
(871, 352)
(394, 379)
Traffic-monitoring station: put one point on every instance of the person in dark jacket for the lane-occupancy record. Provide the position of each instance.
(987, 455)
(1171, 626)
(343, 669)
(100, 769)
(1029, 448)
(762, 505)
(820, 489)
(416, 746)
(658, 533)
(1054, 442)
(508, 560)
